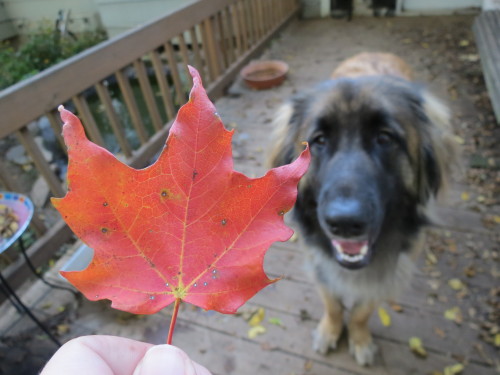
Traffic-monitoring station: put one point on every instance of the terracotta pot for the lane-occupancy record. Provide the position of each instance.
(262, 75)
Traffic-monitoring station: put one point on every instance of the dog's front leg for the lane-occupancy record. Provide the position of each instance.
(330, 327)
(361, 343)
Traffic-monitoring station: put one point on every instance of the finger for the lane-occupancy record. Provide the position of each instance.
(167, 359)
(103, 355)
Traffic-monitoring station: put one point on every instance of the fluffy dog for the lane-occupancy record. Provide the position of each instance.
(381, 150)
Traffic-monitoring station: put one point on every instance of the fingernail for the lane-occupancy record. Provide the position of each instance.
(163, 360)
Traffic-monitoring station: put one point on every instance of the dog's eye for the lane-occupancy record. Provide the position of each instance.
(319, 139)
(384, 138)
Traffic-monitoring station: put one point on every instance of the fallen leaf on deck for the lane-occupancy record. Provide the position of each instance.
(257, 317)
(464, 43)
(453, 369)
(454, 314)
(384, 316)
(497, 340)
(256, 331)
(439, 332)
(308, 365)
(397, 308)
(417, 347)
(431, 258)
(465, 196)
(276, 322)
(63, 329)
(456, 284)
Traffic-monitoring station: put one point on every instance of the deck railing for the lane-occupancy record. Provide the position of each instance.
(145, 71)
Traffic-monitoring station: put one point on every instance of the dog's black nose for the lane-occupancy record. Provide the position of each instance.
(346, 218)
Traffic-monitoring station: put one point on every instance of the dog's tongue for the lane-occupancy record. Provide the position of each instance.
(350, 247)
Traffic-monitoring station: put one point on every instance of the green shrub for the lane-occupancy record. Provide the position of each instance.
(42, 49)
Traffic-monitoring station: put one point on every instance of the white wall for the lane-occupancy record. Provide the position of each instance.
(25, 15)
(7, 29)
(438, 6)
(120, 15)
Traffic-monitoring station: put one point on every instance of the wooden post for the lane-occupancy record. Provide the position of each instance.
(131, 103)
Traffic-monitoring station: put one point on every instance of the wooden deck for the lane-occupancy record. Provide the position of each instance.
(221, 342)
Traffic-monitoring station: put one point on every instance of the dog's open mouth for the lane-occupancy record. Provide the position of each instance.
(351, 254)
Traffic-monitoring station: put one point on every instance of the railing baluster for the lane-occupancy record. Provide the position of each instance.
(114, 121)
(185, 56)
(131, 103)
(148, 94)
(166, 92)
(172, 63)
(233, 20)
(198, 60)
(209, 42)
(220, 47)
(232, 35)
(56, 126)
(243, 24)
(250, 14)
(223, 43)
(41, 164)
(87, 119)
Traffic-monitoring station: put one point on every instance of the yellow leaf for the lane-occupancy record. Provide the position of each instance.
(308, 365)
(256, 331)
(431, 258)
(456, 284)
(465, 196)
(496, 219)
(464, 43)
(257, 318)
(497, 339)
(454, 369)
(417, 347)
(454, 314)
(384, 316)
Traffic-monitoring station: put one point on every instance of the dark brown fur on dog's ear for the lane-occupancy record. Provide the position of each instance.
(439, 153)
(287, 123)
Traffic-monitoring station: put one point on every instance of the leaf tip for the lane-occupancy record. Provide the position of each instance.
(195, 74)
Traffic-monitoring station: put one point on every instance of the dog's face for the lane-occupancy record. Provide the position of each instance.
(374, 163)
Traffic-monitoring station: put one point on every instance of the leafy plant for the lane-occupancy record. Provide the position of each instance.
(187, 228)
(42, 49)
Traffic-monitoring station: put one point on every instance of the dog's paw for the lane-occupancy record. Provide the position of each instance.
(323, 340)
(363, 354)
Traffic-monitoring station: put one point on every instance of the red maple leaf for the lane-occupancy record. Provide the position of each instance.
(186, 228)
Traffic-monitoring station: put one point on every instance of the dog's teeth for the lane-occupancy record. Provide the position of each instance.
(364, 250)
(351, 258)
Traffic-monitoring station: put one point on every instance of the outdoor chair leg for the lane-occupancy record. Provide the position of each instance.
(13, 294)
(38, 274)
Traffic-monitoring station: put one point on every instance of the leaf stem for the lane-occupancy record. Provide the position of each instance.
(174, 319)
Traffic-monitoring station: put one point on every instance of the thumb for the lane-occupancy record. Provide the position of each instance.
(168, 359)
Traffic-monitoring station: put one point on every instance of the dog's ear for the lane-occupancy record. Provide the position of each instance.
(285, 144)
(438, 154)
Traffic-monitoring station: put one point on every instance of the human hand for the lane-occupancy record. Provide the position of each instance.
(110, 355)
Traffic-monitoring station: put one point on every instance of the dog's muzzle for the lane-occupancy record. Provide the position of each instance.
(346, 221)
